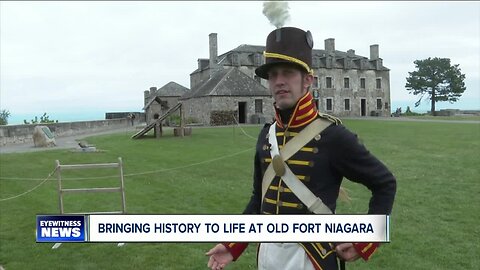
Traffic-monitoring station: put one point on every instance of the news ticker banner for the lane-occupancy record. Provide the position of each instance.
(213, 228)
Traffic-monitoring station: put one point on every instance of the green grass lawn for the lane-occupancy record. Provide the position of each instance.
(434, 220)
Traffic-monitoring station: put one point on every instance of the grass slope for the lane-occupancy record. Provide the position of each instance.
(434, 220)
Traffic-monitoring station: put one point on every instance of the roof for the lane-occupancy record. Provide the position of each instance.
(246, 49)
(171, 89)
(157, 99)
(228, 82)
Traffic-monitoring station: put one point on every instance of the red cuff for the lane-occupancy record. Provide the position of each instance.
(235, 249)
(365, 250)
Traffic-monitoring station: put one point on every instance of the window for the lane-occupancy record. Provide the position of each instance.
(329, 105)
(362, 83)
(328, 82)
(347, 104)
(315, 82)
(379, 103)
(346, 83)
(379, 83)
(258, 106)
(258, 79)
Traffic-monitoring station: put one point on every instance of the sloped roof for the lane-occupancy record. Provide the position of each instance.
(245, 48)
(223, 59)
(171, 89)
(228, 82)
(157, 99)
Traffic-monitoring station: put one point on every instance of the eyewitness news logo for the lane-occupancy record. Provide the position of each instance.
(66, 228)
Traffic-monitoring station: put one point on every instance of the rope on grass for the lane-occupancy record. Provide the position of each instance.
(243, 131)
(30, 190)
(140, 173)
(193, 164)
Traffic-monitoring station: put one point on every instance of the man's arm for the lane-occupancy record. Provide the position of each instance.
(352, 160)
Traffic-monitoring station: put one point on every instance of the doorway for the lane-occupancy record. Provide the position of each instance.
(242, 112)
(363, 107)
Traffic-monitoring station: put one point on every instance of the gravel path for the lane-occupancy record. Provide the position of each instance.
(67, 142)
(72, 141)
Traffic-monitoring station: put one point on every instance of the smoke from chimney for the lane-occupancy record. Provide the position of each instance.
(276, 12)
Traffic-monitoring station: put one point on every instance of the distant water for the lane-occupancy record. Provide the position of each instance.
(471, 104)
(17, 119)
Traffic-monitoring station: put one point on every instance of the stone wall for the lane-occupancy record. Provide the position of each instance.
(201, 108)
(156, 108)
(338, 93)
(198, 108)
(13, 134)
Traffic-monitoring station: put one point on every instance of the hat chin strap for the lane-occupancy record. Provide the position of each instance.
(288, 58)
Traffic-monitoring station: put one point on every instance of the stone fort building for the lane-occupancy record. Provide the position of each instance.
(345, 84)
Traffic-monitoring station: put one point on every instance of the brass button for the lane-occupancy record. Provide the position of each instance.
(315, 150)
(318, 137)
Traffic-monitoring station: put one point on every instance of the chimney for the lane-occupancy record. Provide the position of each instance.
(146, 96)
(350, 53)
(213, 50)
(374, 52)
(203, 63)
(330, 45)
(153, 89)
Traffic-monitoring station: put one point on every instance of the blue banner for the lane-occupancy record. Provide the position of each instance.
(64, 228)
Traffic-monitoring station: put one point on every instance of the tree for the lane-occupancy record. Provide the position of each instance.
(436, 79)
(44, 119)
(4, 114)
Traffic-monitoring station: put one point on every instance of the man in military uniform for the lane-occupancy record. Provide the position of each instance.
(304, 148)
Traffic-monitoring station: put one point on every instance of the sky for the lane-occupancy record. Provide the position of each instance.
(77, 60)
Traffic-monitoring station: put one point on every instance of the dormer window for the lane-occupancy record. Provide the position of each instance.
(235, 61)
(257, 59)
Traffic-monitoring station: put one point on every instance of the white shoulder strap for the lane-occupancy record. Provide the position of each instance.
(313, 203)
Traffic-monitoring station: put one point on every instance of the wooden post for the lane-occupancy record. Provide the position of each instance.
(122, 185)
(60, 193)
(158, 130)
(182, 121)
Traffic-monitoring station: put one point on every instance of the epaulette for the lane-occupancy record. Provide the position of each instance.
(330, 118)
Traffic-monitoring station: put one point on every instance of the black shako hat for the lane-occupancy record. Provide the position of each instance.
(287, 45)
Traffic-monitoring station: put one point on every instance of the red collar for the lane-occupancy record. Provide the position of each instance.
(304, 113)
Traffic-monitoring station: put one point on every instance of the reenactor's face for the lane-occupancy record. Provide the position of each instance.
(287, 85)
